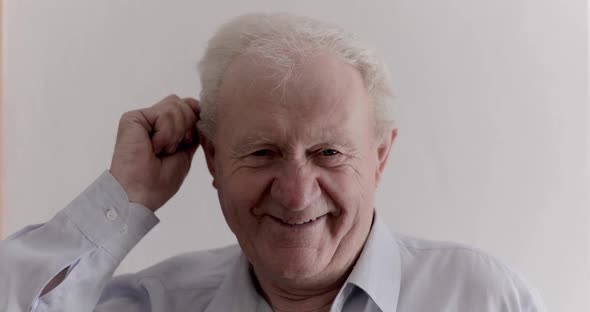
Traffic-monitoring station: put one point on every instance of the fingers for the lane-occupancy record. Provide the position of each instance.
(193, 104)
(190, 119)
(173, 122)
(179, 163)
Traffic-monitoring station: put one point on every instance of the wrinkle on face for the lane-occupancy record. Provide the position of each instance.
(327, 107)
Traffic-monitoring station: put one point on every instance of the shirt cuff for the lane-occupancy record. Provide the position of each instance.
(103, 212)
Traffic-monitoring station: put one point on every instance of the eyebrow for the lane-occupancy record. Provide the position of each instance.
(247, 143)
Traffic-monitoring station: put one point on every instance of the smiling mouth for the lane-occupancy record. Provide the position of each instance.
(297, 224)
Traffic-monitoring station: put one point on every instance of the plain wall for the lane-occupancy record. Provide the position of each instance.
(2, 131)
(492, 96)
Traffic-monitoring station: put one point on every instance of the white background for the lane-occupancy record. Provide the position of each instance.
(492, 148)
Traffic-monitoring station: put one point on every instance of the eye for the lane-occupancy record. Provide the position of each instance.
(262, 153)
(329, 152)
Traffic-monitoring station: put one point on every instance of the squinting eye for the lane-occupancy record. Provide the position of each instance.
(262, 153)
(329, 152)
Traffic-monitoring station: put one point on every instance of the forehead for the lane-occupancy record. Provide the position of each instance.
(322, 95)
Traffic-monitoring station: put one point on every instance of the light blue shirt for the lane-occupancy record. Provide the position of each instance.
(97, 230)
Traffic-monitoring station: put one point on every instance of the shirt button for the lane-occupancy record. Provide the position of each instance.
(124, 229)
(112, 214)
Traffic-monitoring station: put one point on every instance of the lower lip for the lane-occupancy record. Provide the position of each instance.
(298, 226)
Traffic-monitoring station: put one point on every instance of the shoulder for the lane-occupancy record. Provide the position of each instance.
(416, 250)
(470, 275)
(190, 278)
(199, 269)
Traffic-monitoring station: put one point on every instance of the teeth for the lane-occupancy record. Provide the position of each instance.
(300, 223)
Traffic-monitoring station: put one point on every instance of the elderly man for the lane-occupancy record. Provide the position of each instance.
(296, 126)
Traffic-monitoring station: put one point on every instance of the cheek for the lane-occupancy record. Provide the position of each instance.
(349, 184)
(350, 190)
(240, 194)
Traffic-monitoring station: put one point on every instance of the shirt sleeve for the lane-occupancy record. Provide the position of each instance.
(91, 236)
(520, 295)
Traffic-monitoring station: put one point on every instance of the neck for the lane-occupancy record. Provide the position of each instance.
(309, 294)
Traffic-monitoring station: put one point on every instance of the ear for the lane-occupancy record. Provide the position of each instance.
(384, 147)
(209, 151)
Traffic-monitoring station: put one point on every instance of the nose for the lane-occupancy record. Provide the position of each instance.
(295, 187)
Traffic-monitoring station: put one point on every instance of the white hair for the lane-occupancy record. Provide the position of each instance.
(283, 39)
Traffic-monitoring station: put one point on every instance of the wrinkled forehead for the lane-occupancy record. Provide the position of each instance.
(320, 96)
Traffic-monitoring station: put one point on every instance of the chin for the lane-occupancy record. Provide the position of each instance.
(295, 263)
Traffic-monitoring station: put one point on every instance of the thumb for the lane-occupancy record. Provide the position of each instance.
(178, 164)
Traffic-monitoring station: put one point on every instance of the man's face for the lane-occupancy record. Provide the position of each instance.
(296, 167)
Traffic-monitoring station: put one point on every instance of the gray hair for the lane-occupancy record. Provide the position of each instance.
(282, 39)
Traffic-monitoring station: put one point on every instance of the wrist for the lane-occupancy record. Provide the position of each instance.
(134, 194)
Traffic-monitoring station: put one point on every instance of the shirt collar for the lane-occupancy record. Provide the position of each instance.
(377, 272)
(238, 291)
(378, 269)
